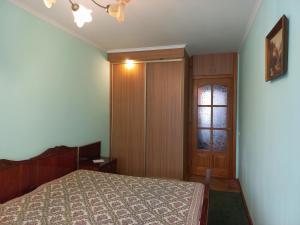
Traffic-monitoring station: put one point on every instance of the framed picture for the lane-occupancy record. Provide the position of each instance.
(277, 50)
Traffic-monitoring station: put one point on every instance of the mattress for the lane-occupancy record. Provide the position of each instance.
(88, 198)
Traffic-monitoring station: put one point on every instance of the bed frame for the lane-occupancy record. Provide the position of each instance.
(205, 206)
(20, 177)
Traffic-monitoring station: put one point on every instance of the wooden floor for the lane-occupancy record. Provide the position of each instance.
(219, 184)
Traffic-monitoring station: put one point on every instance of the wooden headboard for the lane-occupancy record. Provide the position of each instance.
(90, 151)
(20, 177)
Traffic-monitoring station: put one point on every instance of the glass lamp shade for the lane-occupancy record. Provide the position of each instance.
(82, 15)
(117, 10)
(49, 3)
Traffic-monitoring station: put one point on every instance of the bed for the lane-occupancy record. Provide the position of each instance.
(48, 189)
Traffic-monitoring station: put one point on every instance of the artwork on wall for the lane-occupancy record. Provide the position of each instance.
(277, 50)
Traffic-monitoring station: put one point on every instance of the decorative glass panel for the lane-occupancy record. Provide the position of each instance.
(220, 117)
(204, 117)
(219, 140)
(204, 95)
(203, 139)
(220, 95)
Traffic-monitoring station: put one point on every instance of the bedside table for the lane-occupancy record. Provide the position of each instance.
(108, 166)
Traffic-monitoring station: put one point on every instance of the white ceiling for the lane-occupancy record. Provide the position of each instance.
(204, 25)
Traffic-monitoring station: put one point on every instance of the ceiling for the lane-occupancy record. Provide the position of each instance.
(204, 25)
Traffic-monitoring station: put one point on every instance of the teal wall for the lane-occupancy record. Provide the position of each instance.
(269, 122)
(54, 89)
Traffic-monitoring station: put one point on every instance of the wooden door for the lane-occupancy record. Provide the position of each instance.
(212, 127)
(165, 118)
(128, 118)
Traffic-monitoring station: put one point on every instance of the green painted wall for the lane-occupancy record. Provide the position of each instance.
(269, 121)
(54, 89)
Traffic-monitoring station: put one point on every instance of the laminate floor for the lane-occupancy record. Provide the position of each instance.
(227, 185)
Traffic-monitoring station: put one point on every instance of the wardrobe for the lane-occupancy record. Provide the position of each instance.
(149, 97)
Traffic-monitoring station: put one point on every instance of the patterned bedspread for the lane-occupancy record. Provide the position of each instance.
(88, 198)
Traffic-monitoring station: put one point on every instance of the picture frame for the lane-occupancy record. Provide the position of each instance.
(276, 43)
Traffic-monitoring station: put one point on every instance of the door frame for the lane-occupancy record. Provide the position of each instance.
(234, 113)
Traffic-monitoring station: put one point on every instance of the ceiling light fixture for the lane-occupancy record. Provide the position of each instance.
(129, 64)
(83, 15)
(49, 3)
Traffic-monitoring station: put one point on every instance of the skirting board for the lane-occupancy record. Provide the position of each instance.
(245, 205)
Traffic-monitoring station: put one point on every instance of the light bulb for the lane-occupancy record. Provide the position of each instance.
(117, 10)
(129, 64)
(81, 15)
(49, 3)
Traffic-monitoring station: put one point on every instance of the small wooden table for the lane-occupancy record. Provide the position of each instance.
(108, 166)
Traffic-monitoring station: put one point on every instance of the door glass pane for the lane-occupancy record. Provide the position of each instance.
(219, 140)
(204, 117)
(220, 117)
(220, 95)
(204, 95)
(203, 139)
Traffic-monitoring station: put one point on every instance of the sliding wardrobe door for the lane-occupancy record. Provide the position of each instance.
(164, 146)
(128, 118)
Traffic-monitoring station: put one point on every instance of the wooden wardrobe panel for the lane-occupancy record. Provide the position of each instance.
(128, 118)
(165, 117)
(213, 64)
(147, 55)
